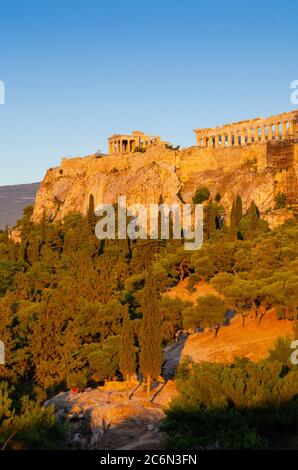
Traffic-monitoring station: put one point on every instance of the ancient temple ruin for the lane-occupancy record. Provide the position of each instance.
(283, 127)
(127, 143)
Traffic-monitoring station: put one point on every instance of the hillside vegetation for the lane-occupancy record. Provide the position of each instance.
(76, 311)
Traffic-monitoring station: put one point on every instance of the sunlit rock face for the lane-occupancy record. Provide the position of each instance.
(171, 175)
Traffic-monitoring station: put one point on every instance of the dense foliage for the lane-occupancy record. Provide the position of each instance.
(74, 309)
(239, 406)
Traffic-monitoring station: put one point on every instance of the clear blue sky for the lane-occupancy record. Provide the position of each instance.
(76, 71)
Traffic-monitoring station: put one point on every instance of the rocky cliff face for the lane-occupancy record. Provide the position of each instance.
(161, 173)
(141, 178)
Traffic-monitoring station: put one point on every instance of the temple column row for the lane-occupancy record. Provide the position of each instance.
(236, 137)
(121, 146)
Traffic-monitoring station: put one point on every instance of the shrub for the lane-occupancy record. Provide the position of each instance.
(217, 197)
(140, 149)
(77, 379)
(280, 200)
(202, 194)
(234, 406)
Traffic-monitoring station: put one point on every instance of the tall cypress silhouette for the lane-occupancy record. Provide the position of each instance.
(127, 361)
(233, 221)
(238, 211)
(90, 211)
(253, 218)
(150, 337)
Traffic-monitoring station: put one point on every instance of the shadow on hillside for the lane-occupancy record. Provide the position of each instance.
(140, 430)
(135, 390)
(233, 427)
(158, 391)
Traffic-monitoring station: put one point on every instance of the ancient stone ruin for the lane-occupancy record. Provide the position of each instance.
(275, 128)
(256, 159)
(127, 143)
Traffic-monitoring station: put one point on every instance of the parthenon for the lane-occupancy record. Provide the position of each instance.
(127, 143)
(260, 130)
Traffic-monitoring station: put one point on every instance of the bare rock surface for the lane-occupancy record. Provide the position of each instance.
(114, 416)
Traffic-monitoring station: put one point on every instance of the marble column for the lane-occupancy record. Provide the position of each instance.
(263, 135)
(236, 139)
(284, 130)
(230, 139)
(276, 133)
(269, 131)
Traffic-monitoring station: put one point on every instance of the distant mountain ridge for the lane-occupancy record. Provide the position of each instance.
(13, 199)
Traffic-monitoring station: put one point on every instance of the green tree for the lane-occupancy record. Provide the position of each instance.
(233, 225)
(127, 353)
(211, 309)
(91, 212)
(238, 211)
(254, 215)
(240, 294)
(150, 335)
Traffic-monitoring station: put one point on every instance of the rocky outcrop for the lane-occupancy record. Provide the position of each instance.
(161, 173)
(114, 416)
(141, 179)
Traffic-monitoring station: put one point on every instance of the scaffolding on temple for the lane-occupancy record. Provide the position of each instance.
(291, 187)
(280, 154)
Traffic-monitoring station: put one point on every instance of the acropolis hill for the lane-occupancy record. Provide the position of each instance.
(254, 158)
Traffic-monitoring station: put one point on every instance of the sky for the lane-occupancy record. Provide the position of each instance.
(77, 71)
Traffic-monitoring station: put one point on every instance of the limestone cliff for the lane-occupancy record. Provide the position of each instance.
(161, 172)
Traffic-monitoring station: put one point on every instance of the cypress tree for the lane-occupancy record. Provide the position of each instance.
(233, 221)
(127, 354)
(238, 211)
(90, 211)
(253, 217)
(150, 336)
